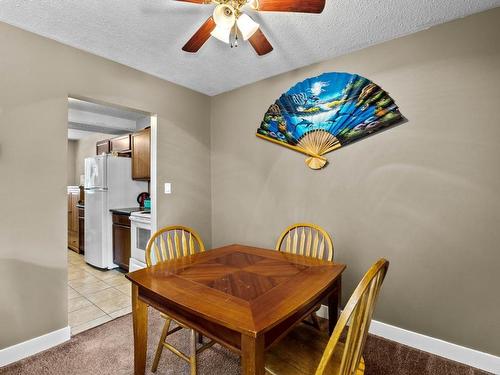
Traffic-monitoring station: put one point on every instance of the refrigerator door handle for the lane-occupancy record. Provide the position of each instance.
(95, 189)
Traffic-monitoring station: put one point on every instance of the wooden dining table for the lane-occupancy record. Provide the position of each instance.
(244, 298)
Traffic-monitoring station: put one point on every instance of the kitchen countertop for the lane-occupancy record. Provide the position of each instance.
(127, 211)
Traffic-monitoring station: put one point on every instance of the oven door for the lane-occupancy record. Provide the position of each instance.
(140, 234)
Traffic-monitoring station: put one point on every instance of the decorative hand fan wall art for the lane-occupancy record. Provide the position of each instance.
(324, 113)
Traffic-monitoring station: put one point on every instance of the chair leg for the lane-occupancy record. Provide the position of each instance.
(200, 338)
(315, 320)
(192, 358)
(159, 350)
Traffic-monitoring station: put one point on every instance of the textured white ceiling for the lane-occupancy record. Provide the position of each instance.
(148, 34)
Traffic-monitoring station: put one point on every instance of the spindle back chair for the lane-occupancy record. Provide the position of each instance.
(306, 239)
(169, 243)
(173, 242)
(306, 351)
(358, 313)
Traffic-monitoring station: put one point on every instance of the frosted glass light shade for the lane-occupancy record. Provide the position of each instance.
(224, 16)
(221, 33)
(247, 26)
(254, 4)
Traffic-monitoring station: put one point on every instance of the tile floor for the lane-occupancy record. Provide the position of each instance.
(94, 296)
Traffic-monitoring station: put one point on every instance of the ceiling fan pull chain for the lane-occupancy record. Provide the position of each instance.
(235, 44)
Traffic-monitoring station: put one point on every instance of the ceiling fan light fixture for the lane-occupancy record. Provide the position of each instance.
(224, 16)
(221, 33)
(254, 4)
(247, 26)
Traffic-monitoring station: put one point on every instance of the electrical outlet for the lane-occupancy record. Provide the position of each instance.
(168, 188)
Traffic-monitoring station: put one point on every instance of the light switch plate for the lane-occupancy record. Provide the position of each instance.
(168, 188)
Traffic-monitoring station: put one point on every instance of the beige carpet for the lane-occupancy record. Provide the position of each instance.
(108, 349)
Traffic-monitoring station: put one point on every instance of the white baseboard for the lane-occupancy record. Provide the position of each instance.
(471, 357)
(27, 348)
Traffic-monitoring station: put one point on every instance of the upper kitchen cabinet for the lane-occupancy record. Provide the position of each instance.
(102, 147)
(120, 144)
(141, 151)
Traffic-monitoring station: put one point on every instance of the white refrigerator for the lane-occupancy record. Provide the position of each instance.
(108, 185)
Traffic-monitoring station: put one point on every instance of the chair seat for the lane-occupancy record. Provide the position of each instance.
(300, 352)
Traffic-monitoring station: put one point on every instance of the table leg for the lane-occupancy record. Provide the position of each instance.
(140, 318)
(252, 355)
(334, 300)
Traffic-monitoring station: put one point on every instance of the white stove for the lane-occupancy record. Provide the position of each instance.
(140, 232)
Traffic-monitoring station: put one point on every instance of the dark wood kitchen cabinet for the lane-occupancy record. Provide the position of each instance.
(81, 228)
(121, 240)
(73, 197)
(102, 147)
(120, 144)
(141, 155)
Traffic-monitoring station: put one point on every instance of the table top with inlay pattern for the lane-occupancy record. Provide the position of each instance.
(246, 289)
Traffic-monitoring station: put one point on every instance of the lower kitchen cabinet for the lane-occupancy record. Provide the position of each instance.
(121, 240)
(81, 228)
(73, 197)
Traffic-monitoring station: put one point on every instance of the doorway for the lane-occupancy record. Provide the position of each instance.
(111, 178)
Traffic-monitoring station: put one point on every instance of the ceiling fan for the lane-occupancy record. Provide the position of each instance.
(228, 21)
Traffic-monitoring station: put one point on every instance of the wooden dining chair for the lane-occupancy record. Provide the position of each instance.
(307, 351)
(309, 240)
(306, 239)
(168, 243)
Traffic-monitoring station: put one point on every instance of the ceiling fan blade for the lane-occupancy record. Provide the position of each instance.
(303, 6)
(260, 43)
(200, 36)
(196, 1)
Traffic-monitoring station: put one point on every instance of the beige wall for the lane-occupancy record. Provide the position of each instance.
(424, 194)
(37, 75)
(71, 163)
(84, 149)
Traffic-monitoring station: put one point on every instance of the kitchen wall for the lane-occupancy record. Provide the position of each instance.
(37, 76)
(71, 163)
(84, 149)
(424, 194)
